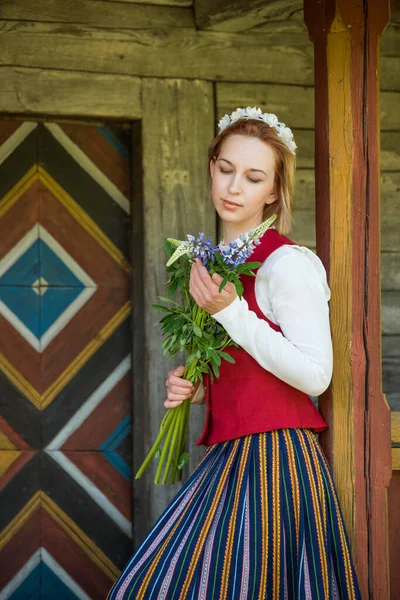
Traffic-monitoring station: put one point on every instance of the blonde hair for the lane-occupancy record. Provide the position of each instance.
(285, 166)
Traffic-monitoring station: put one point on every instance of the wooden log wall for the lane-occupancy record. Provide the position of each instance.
(145, 60)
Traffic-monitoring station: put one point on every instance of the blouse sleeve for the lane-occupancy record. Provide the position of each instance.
(302, 354)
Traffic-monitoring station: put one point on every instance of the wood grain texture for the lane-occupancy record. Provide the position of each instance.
(347, 86)
(69, 93)
(240, 15)
(110, 15)
(155, 2)
(175, 175)
(162, 52)
(395, 424)
(294, 104)
(304, 216)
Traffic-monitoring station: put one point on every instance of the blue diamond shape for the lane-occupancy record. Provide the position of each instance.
(54, 270)
(24, 303)
(25, 270)
(30, 588)
(109, 446)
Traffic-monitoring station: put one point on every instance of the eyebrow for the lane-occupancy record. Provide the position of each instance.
(255, 170)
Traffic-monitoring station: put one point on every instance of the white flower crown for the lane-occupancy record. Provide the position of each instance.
(270, 119)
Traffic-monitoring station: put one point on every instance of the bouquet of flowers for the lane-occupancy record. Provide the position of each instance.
(188, 328)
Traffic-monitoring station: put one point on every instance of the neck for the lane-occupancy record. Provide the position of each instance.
(231, 231)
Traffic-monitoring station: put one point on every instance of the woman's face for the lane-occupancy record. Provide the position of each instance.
(243, 180)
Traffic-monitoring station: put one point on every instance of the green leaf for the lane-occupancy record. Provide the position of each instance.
(164, 299)
(227, 357)
(197, 330)
(223, 284)
(183, 459)
(161, 307)
(157, 455)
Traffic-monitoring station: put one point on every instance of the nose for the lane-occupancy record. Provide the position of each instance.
(234, 185)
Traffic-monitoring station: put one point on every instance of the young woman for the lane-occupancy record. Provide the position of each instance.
(259, 518)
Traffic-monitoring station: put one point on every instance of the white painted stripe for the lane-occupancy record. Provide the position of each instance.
(21, 575)
(65, 257)
(89, 166)
(19, 249)
(89, 487)
(15, 140)
(88, 407)
(65, 317)
(64, 576)
(19, 326)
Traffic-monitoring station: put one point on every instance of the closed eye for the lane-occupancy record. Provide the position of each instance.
(225, 171)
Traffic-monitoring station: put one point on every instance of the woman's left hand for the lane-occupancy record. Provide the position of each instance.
(204, 289)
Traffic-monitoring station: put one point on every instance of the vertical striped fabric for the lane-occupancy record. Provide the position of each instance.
(259, 518)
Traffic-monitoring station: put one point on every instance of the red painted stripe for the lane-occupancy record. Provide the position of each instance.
(102, 153)
(83, 248)
(7, 129)
(73, 559)
(115, 487)
(20, 548)
(22, 459)
(104, 419)
(19, 218)
(13, 436)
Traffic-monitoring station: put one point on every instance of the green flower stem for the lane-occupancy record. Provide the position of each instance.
(162, 432)
(172, 447)
(163, 453)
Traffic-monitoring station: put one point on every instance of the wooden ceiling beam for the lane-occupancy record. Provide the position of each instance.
(240, 15)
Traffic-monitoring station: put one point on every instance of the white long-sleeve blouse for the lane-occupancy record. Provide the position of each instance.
(292, 291)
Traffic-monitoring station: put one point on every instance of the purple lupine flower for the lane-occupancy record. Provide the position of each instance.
(202, 248)
(236, 253)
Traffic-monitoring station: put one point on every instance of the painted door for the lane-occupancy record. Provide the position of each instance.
(65, 358)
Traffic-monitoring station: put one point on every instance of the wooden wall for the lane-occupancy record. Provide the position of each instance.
(131, 60)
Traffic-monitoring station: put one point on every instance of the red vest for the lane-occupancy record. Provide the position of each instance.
(246, 398)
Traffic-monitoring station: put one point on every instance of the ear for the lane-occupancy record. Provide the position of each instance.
(212, 166)
(273, 197)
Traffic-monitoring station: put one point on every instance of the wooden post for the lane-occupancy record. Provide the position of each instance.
(346, 35)
(176, 129)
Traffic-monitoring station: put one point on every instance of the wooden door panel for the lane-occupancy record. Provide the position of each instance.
(65, 356)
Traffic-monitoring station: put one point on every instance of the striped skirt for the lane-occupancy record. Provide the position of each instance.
(259, 518)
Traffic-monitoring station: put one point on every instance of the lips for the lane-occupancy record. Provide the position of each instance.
(230, 203)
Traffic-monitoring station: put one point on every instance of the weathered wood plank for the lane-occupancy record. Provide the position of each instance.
(175, 183)
(97, 13)
(304, 227)
(163, 52)
(395, 427)
(390, 271)
(391, 313)
(391, 370)
(69, 93)
(241, 15)
(396, 459)
(156, 2)
(293, 104)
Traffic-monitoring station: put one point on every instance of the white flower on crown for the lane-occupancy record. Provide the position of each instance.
(285, 133)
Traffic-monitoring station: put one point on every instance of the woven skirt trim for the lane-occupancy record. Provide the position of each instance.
(259, 518)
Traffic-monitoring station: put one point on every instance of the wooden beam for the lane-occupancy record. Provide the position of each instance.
(69, 93)
(239, 15)
(294, 104)
(155, 2)
(346, 40)
(166, 52)
(177, 126)
(97, 13)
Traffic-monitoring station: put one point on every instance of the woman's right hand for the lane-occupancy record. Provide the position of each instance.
(179, 389)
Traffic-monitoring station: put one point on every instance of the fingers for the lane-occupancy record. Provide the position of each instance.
(179, 389)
